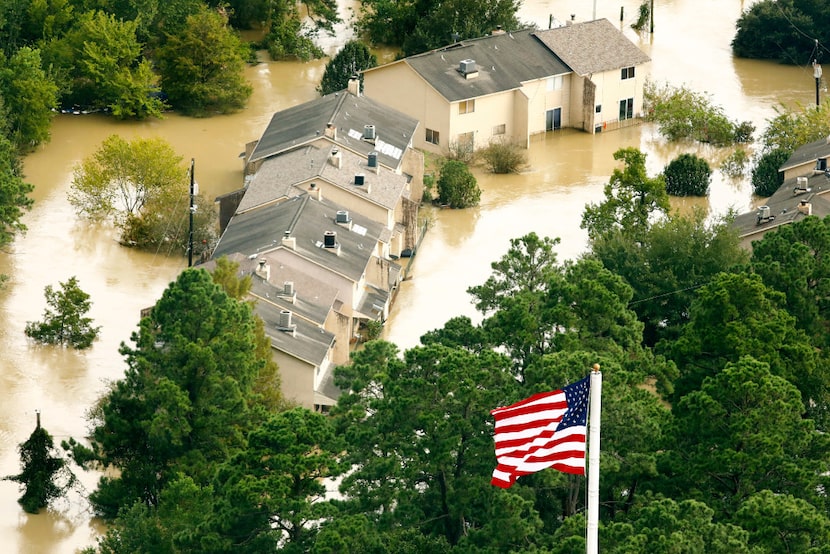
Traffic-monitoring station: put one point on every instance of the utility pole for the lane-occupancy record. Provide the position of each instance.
(193, 193)
(817, 75)
(651, 15)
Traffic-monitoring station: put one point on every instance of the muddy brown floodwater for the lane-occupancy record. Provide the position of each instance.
(567, 169)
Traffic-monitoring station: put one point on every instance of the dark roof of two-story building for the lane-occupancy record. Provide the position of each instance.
(505, 60)
(306, 221)
(277, 176)
(807, 154)
(794, 200)
(345, 117)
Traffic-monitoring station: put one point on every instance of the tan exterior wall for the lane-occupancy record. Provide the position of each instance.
(611, 88)
(805, 169)
(341, 326)
(297, 379)
(398, 86)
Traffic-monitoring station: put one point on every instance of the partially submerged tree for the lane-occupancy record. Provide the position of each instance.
(504, 156)
(457, 186)
(687, 175)
(631, 198)
(141, 187)
(44, 476)
(350, 61)
(14, 193)
(64, 320)
(202, 67)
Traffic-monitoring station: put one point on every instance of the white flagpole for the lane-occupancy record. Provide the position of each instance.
(592, 540)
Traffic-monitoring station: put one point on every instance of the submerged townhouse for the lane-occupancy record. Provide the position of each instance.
(330, 203)
(805, 184)
(513, 85)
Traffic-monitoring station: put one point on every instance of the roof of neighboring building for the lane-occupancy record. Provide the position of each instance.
(783, 206)
(276, 177)
(306, 220)
(592, 46)
(808, 153)
(312, 300)
(349, 114)
(305, 341)
(504, 61)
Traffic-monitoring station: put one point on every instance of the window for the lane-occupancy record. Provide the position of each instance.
(466, 106)
(627, 73)
(432, 137)
(626, 108)
(500, 129)
(599, 108)
(555, 83)
(465, 141)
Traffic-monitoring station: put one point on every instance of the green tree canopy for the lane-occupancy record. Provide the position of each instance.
(631, 198)
(14, 192)
(351, 60)
(795, 260)
(64, 320)
(784, 523)
(740, 433)
(420, 26)
(736, 315)
(202, 66)
(687, 175)
(781, 30)
(667, 265)
(457, 186)
(29, 96)
(102, 56)
(765, 177)
(185, 402)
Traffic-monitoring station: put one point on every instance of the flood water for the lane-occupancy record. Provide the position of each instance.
(566, 170)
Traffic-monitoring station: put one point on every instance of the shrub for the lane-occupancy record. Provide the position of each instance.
(461, 152)
(735, 164)
(457, 187)
(504, 156)
(765, 178)
(687, 175)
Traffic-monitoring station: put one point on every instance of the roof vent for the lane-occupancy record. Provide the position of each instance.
(467, 68)
(369, 132)
(342, 216)
(329, 239)
(359, 179)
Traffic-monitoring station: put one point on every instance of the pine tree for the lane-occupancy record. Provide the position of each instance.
(44, 476)
(65, 323)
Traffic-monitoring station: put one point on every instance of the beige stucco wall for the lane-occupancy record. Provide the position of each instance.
(341, 326)
(805, 169)
(400, 87)
(611, 89)
(297, 379)
(356, 202)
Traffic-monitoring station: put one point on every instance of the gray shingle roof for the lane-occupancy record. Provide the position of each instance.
(504, 62)
(307, 342)
(592, 46)
(810, 152)
(783, 206)
(274, 179)
(306, 220)
(350, 114)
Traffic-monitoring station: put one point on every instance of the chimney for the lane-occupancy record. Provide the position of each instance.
(372, 162)
(288, 241)
(354, 85)
(336, 158)
(315, 191)
(805, 207)
(498, 30)
(331, 130)
(263, 269)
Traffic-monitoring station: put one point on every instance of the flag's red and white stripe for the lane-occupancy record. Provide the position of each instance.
(529, 438)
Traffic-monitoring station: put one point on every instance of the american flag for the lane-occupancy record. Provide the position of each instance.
(546, 430)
